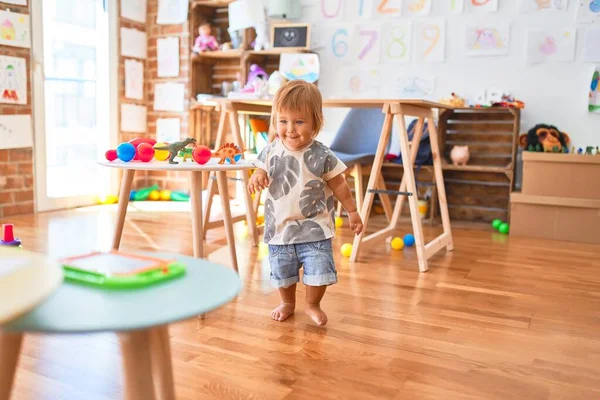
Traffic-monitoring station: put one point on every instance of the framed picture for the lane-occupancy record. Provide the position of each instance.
(290, 36)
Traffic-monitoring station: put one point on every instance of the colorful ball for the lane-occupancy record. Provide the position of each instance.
(397, 243)
(145, 152)
(504, 228)
(409, 239)
(201, 154)
(126, 152)
(161, 155)
(339, 222)
(111, 155)
(132, 195)
(165, 195)
(496, 223)
(154, 195)
(346, 249)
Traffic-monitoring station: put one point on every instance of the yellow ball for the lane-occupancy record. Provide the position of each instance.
(378, 210)
(109, 199)
(154, 195)
(397, 243)
(346, 249)
(260, 219)
(161, 155)
(339, 221)
(165, 195)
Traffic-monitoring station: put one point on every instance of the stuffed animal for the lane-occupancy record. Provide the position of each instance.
(205, 41)
(545, 138)
(460, 155)
(454, 101)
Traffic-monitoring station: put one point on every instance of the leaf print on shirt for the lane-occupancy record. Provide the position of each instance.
(312, 199)
(262, 157)
(319, 159)
(308, 231)
(269, 220)
(284, 172)
(331, 209)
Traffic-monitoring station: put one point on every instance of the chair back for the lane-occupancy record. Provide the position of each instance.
(359, 132)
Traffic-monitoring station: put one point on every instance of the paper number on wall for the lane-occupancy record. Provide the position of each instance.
(384, 8)
(396, 48)
(431, 33)
(338, 46)
(337, 9)
(373, 36)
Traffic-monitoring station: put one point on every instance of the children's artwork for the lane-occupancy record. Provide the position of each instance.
(168, 130)
(133, 118)
(457, 6)
(397, 42)
(305, 67)
(169, 97)
(133, 43)
(409, 87)
(526, 6)
(482, 5)
(167, 54)
(488, 39)
(16, 2)
(15, 131)
(340, 42)
(594, 96)
(591, 46)
(14, 29)
(333, 10)
(359, 83)
(172, 12)
(134, 79)
(368, 43)
(134, 10)
(589, 11)
(552, 45)
(13, 80)
(430, 40)
(388, 8)
(414, 8)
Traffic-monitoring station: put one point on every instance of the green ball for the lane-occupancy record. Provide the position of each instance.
(496, 223)
(504, 228)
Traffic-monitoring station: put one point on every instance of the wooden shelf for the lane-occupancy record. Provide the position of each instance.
(211, 3)
(219, 54)
(476, 168)
(276, 52)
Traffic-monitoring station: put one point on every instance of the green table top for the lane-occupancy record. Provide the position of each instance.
(75, 308)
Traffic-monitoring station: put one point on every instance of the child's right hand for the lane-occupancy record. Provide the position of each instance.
(258, 181)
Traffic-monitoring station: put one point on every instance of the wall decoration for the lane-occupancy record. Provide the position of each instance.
(487, 39)
(134, 79)
(551, 45)
(414, 8)
(355, 82)
(430, 40)
(290, 36)
(14, 29)
(133, 118)
(300, 66)
(594, 96)
(396, 42)
(13, 80)
(340, 42)
(457, 6)
(133, 43)
(588, 11)
(172, 12)
(387, 8)
(482, 5)
(16, 2)
(408, 87)
(526, 6)
(169, 97)
(15, 131)
(591, 46)
(368, 43)
(333, 10)
(134, 10)
(167, 55)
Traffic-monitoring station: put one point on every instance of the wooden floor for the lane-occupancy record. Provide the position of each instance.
(499, 318)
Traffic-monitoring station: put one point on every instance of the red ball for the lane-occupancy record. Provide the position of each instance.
(111, 155)
(201, 154)
(145, 152)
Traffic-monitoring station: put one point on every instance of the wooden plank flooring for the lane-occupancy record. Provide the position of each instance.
(499, 318)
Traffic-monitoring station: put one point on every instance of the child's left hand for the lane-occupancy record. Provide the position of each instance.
(356, 223)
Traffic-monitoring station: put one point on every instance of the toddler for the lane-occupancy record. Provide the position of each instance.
(302, 176)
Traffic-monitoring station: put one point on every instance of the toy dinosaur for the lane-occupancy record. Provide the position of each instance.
(227, 151)
(175, 148)
(186, 153)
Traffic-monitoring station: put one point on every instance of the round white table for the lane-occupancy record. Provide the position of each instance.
(196, 188)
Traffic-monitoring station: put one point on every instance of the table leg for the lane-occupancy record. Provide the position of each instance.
(10, 349)
(162, 368)
(227, 221)
(137, 365)
(124, 193)
(196, 206)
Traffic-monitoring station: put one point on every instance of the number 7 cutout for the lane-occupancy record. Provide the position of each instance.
(430, 40)
(396, 42)
(368, 39)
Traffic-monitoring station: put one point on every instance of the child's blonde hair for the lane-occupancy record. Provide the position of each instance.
(298, 95)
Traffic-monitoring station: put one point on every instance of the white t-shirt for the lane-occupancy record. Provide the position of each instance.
(299, 206)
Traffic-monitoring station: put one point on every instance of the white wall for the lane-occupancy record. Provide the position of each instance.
(553, 93)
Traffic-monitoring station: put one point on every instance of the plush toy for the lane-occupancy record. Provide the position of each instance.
(262, 34)
(460, 155)
(454, 101)
(545, 138)
(205, 41)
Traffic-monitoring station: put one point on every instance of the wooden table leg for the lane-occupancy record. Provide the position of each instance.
(227, 221)
(10, 349)
(124, 193)
(162, 368)
(196, 206)
(137, 365)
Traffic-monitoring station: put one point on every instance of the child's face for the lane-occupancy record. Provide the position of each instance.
(295, 129)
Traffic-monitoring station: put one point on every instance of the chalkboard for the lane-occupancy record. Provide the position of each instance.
(290, 36)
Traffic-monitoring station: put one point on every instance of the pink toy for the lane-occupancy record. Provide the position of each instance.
(205, 41)
(145, 152)
(201, 154)
(111, 155)
(460, 155)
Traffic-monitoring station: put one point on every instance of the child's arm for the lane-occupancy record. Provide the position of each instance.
(341, 190)
(258, 181)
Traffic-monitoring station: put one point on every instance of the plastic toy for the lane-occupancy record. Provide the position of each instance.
(454, 101)
(205, 40)
(143, 194)
(161, 155)
(185, 154)
(108, 199)
(154, 195)
(201, 154)
(397, 243)
(339, 222)
(179, 196)
(116, 270)
(165, 195)
(256, 73)
(346, 249)
(111, 155)
(460, 155)
(409, 240)
(496, 223)
(139, 140)
(175, 147)
(125, 152)
(504, 228)
(8, 238)
(145, 152)
(228, 151)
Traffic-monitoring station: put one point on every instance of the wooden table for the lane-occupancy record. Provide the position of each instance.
(230, 109)
(141, 317)
(196, 188)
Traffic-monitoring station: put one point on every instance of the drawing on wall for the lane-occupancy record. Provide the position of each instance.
(416, 7)
(430, 40)
(490, 39)
(359, 82)
(591, 44)
(368, 43)
(172, 11)
(526, 6)
(589, 11)
(14, 29)
(300, 66)
(167, 57)
(482, 5)
(13, 80)
(397, 42)
(409, 87)
(134, 10)
(594, 96)
(334, 9)
(551, 46)
(134, 79)
(457, 6)
(16, 2)
(15, 131)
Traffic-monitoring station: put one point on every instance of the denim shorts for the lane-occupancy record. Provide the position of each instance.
(315, 257)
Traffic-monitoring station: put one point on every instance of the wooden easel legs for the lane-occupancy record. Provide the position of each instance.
(409, 152)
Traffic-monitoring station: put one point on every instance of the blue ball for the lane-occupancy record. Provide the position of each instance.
(132, 195)
(126, 151)
(409, 240)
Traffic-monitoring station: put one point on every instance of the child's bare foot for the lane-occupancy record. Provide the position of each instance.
(282, 312)
(316, 314)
